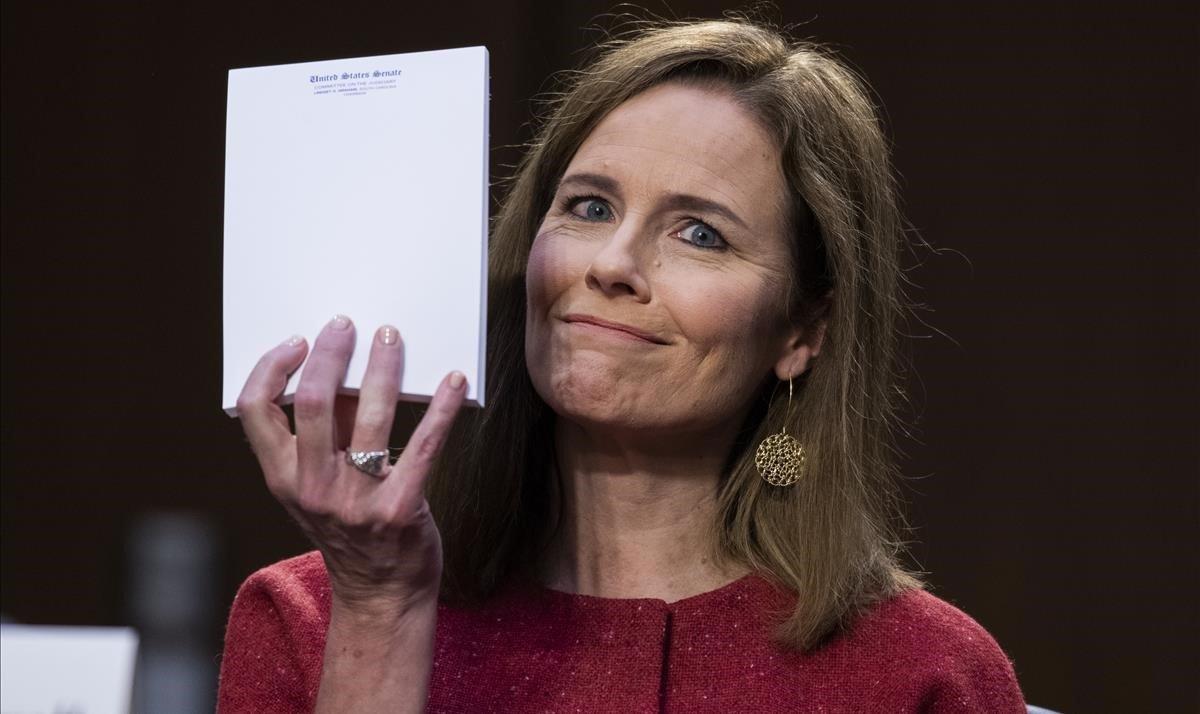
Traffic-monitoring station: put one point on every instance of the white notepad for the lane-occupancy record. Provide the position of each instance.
(359, 187)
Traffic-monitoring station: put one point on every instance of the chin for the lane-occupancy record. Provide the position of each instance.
(591, 396)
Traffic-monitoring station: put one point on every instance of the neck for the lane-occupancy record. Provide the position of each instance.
(638, 515)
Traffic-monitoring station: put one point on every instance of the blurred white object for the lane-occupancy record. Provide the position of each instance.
(66, 669)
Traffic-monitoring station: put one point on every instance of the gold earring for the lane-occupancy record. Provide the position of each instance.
(780, 458)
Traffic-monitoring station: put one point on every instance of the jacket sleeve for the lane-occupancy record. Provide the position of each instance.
(274, 640)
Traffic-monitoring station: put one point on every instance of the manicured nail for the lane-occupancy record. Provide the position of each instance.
(457, 379)
(339, 322)
(294, 341)
(388, 335)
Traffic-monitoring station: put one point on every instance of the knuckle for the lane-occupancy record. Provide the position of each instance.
(309, 404)
(426, 446)
(378, 520)
(373, 420)
(406, 517)
(314, 504)
(397, 518)
(249, 402)
(394, 514)
(352, 516)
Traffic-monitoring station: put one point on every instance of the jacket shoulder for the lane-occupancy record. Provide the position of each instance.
(301, 581)
(275, 638)
(959, 664)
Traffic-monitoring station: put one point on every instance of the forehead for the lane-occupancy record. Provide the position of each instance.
(689, 139)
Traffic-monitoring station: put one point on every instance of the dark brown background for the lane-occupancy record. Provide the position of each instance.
(1055, 148)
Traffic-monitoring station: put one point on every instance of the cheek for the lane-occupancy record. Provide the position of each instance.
(549, 271)
(725, 314)
(733, 346)
(549, 274)
(535, 275)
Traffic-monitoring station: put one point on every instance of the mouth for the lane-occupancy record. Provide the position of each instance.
(614, 327)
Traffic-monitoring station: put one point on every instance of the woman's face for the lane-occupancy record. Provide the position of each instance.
(656, 284)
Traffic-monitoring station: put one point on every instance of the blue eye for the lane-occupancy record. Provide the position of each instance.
(702, 236)
(592, 209)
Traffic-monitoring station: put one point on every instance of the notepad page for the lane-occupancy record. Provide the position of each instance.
(359, 187)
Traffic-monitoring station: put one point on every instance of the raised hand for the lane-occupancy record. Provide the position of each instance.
(378, 538)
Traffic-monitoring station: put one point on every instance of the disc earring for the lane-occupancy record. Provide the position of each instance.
(780, 458)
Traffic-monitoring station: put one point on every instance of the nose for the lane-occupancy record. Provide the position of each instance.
(615, 269)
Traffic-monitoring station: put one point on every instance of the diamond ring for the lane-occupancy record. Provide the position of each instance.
(372, 463)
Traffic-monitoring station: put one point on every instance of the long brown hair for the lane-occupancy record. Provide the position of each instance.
(831, 537)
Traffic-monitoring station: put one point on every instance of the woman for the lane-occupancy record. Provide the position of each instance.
(706, 210)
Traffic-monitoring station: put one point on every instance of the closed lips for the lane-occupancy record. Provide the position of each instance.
(641, 334)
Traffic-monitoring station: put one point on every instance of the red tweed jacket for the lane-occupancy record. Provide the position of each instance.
(535, 650)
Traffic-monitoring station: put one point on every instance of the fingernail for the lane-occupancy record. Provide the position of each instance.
(388, 335)
(457, 379)
(294, 341)
(339, 322)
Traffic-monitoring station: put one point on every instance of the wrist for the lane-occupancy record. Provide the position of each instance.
(378, 655)
(377, 608)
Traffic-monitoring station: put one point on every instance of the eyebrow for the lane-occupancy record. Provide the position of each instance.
(675, 201)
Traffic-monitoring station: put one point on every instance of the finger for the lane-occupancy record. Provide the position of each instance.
(380, 390)
(265, 424)
(323, 374)
(410, 472)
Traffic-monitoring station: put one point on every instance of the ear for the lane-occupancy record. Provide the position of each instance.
(803, 345)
